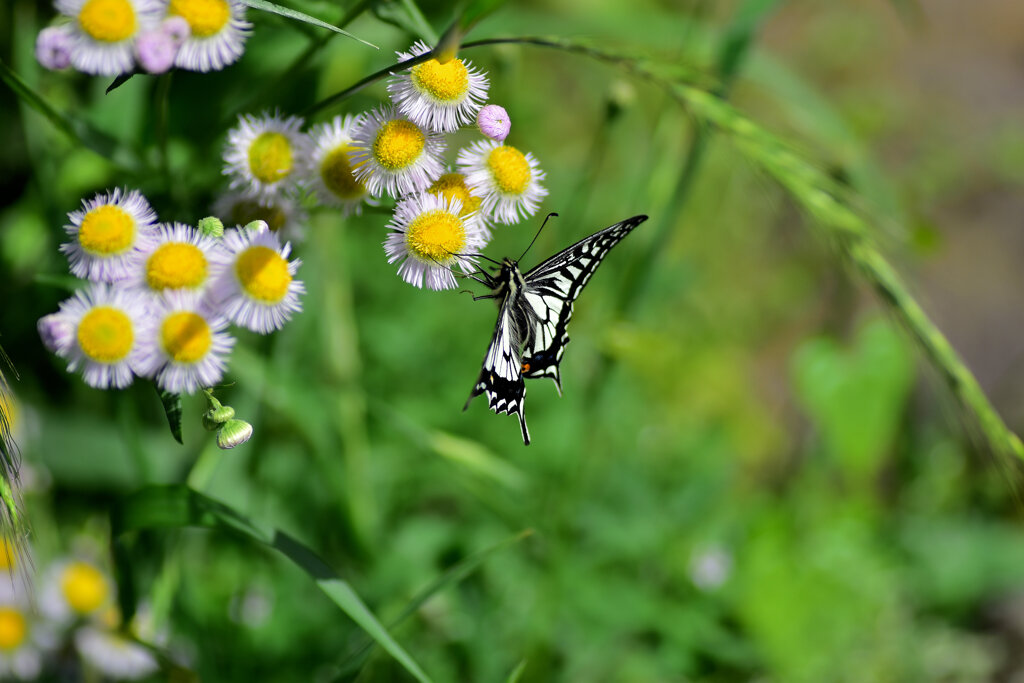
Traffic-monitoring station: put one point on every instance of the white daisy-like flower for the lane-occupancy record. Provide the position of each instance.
(103, 32)
(106, 321)
(75, 588)
(181, 258)
(328, 170)
(440, 97)
(114, 655)
(24, 637)
(506, 179)
(453, 185)
(258, 290)
(262, 155)
(218, 33)
(184, 343)
(283, 215)
(106, 233)
(394, 155)
(430, 236)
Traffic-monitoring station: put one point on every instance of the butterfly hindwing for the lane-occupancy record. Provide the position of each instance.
(501, 377)
(551, 289)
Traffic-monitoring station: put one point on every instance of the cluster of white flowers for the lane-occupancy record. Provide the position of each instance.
(109, 37)
(161, 295)
(443, 214)
(73, 602)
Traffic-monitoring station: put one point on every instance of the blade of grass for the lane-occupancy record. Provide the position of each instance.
(455, 574)
(406, 15)
(304, 18)
(157, 507)
(78, 130)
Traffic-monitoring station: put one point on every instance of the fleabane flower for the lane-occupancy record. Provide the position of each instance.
(393, 155)
(181, 257)
(329, 166)
(115, 655)
(430, 236)
(440, 97)
(262, 154)
(258, 289)
(507, 180)
(24, 636)
(75, 588)
(283, 215)
(106, 233)
(217, 36)
(103, 32)
(453, 186)
(185, 343)
(104, 322)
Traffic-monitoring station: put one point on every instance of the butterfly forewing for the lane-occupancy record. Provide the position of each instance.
(552, 287)
(530, 336)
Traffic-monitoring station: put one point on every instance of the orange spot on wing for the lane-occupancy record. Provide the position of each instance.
(526, 367)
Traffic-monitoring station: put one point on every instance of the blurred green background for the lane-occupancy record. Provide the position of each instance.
(751, 476)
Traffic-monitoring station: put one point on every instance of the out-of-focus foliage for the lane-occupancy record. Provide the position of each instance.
(751, 473)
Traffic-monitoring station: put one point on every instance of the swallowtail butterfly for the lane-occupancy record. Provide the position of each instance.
(535, 307)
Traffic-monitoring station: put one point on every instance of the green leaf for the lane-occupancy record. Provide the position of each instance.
(172, 408)
(119, 81)
(407, 16)
(300, 16)
(455, 574)
(856, 396)
(156, 507)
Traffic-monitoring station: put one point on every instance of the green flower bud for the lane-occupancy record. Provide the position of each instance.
(234, 433)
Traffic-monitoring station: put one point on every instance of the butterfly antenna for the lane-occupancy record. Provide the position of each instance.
(486, 258)
(537, 235)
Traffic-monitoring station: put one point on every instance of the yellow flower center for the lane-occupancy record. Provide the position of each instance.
(336, 172)
(13, 628)
(453, 185)
(174, 265)
(204, 17)
(510, 169)
(186, 337)
(108, 21)
(446, 82)
(270, 157)
(398, 144)
(105, 334)
(107, 230)
(263, 274)
(84, 587)
(435, 236)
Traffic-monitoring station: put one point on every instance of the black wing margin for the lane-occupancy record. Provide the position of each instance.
(551, 288)
(501, 376)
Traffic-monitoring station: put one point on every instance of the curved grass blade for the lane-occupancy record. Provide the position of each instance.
(157, 507)
(351, 666)
(304, 18)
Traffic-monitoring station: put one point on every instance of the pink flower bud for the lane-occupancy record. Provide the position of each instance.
(494, 122)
